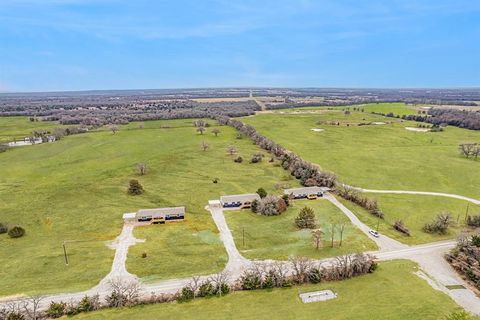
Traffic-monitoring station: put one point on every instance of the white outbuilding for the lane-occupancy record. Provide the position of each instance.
(306, 192)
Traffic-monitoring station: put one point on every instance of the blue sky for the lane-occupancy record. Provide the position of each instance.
(48, 45)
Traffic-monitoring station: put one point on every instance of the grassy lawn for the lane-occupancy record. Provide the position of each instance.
(277, 237)
(20, 127)
(377, 156)
(392, 292)
(75, 189)
(415, 211)
(396, 108)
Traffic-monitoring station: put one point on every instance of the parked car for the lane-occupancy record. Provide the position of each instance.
(374, 233)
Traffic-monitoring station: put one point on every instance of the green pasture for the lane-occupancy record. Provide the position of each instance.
(74, 190)
(382, 156)
(277, 237)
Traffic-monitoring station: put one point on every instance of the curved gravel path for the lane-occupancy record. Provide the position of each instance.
(425, 193)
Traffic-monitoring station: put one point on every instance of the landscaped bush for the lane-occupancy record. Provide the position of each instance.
(270, 206)
(135, 188)
(186, 294)
(473, 221)
(87, 304)
(206, 289)
(250, 280)
(401, 227)
(306, 219)
(261, 192)
(256, 158)
(16, 232)
(3, 148)
(254, 206)
(440, 224)
(56, 309)
(475, 240)
(3, 228)
(238, 159)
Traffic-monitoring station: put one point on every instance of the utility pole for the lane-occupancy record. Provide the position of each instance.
(342, 228)
(333, 233)
(378, 223)
(65, 253)
(243, 237)
(466, 213)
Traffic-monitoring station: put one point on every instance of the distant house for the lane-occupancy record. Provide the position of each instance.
(157, 216)
(306, 192)
(239, 201)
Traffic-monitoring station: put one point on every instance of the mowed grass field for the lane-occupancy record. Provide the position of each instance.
(277, 237)
(75, 190)
(392, 292)
(377, 156)
(396, 108)
(415, 211)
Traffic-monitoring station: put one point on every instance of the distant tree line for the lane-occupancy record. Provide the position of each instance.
(441, 117)
(123, 113)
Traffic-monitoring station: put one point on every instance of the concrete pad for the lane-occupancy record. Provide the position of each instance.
(317, 296)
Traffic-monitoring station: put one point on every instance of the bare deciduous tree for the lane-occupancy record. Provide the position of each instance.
(301, 266)
(204, 146)
(113, 128)
(317, 238)
(30, 307)
(142, 168)
(219, 280)
(194, 284)
(231, 150)
(215, 131)
(201, 130)
(123, 293)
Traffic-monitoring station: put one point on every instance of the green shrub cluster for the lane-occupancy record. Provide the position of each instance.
(16, 232)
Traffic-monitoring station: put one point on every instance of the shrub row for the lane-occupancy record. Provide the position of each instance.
(303, 270)
(353, 195)
(307, 173)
